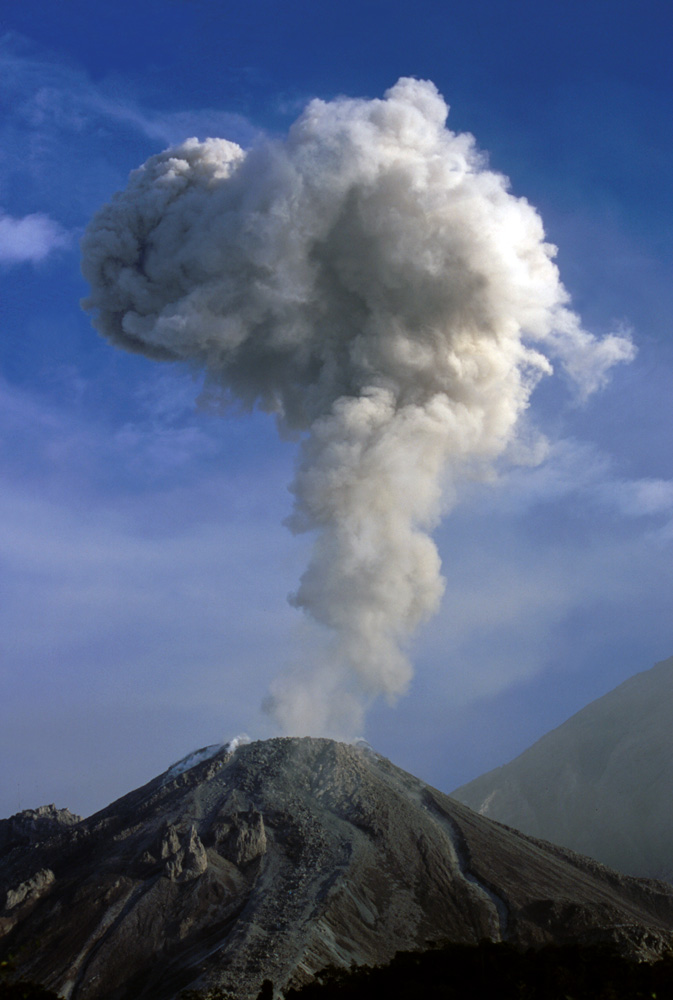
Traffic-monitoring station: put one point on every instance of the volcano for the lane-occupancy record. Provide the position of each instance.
(600, 783)
(283, 857)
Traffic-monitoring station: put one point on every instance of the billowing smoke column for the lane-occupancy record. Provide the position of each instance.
(371, 283)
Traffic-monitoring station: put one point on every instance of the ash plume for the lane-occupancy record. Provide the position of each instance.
(371, 282)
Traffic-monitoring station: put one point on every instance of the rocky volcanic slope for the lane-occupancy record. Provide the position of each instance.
(284, 857)
(600, 783)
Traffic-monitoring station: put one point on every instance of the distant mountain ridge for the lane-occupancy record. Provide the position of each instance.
(287, 856)
(601, 783)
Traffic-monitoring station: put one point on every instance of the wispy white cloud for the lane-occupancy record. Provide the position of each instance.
(639, 498)
(44, 94)
(563, 468)
(29, 239)
(569, 468)
(68, 142)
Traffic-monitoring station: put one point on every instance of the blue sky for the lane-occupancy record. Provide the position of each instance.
(144, 563)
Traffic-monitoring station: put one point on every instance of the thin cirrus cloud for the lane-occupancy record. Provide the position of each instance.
(640, 498)
(46, 100)
(61, 442)
(52, 115)
(571, 468)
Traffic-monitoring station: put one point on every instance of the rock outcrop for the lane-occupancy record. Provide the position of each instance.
(285, 857)
(34, 826)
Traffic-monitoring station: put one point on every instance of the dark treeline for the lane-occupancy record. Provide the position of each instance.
(14, 988)
(456, 972)
(459, 972)
(24, 990)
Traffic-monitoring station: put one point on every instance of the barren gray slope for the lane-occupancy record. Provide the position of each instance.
(287, 856)
(601, 783)
(33, 826)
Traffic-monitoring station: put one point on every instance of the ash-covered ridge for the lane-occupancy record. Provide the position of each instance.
(286, 856)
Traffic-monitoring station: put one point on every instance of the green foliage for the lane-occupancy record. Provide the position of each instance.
(455, 972)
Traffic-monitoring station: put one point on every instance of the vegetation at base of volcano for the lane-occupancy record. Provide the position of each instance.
(24, 990)
(453, 972)
(20, 989)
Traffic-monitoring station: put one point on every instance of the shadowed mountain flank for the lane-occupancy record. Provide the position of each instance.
(287, 856)
(600, 783)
